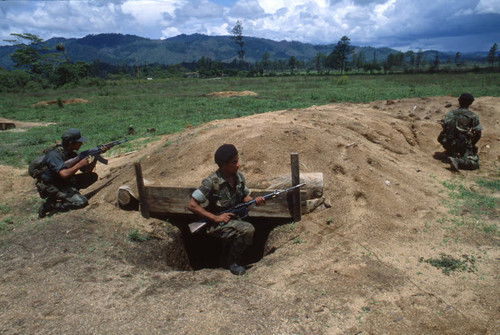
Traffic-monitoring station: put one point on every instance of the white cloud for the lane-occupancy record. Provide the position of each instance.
(365, 22)
(488, 7)
(272, 6)
(148, 12)
(248, 9)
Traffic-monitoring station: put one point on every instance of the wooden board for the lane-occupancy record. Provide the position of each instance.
(174, 200)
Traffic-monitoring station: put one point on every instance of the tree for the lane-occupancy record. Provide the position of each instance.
(319, 62)
(373, 66)
(435, 64)
(420, 56)
(61, 48)
(411, 58)
(35, 55)
(359, 60)
(457, 59)
(338, 57)
(491, 55)
(292, 63)
(237, 32)
(391, 61)
(265, 63)
(27, 55)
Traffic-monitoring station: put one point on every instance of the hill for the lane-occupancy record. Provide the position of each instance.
(356, 267)
(119, 49)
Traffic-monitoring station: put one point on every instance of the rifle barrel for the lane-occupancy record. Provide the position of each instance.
(196, 226)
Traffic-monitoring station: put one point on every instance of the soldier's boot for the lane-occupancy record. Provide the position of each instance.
(453, 164)
(467, 164)
(235, 254)
(42, 211)
(47, 209)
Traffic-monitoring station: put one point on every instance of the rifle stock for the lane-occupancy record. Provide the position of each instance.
(241, 209)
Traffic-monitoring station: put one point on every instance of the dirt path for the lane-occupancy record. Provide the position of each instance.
(354, 268)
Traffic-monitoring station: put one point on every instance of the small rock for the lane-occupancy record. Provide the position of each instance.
(398, 318)
(327, 203)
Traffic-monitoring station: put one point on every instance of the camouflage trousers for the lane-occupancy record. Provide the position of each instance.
(469, 162)
(463, 149)
(236, 233)
(467, 159)
(65, 195)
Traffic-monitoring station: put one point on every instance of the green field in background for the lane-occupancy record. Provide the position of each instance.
(169, 105)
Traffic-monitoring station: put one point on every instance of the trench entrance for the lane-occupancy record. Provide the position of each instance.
(203, 251)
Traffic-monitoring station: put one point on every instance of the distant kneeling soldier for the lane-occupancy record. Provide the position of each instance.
(59, 184)
(461, 131)
(224, 189)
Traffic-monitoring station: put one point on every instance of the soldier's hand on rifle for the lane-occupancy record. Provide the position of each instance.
(224, 217)
(89, 164)
(104, 149)
(83, 162)
(260, 201)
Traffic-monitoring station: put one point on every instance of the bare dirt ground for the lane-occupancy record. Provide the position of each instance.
(352, 268)
(64, 101)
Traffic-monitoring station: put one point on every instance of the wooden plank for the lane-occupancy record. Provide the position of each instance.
(174, 200)
(294, 161)
(140, 188)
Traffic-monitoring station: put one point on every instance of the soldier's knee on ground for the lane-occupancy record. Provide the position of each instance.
(78, 201)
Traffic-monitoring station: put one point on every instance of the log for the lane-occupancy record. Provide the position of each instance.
(313, 186)
(126, 198)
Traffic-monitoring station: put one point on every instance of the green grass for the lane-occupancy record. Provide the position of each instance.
(449, 263)
(469, 206)
(135, 236)
(170, 105)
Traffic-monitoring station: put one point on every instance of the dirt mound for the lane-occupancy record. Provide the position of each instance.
(64, 101)
(227, 94)
(347, 269)
(21, 126)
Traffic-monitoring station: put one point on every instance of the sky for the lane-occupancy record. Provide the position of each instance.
(444, 25)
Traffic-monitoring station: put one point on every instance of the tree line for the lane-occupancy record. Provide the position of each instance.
(39, 66)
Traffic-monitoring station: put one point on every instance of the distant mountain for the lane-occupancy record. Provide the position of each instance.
(119, 49)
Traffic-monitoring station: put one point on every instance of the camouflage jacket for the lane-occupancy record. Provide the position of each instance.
(219, 192)
(462, 120)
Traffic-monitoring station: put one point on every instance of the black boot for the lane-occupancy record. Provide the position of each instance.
(453, 164)
(237, 270)
(46, 209)
(235, 254)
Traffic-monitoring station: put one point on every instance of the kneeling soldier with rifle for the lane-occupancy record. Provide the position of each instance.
(57, 177)
(224, 189)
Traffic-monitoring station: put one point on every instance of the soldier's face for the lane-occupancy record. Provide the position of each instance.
(74, 146)
(232, 165)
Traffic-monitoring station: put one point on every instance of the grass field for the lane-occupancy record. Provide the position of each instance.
(170, 105)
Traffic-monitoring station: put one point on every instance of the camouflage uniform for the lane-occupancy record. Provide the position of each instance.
(62, 194)
(221, 196)
(461, 131)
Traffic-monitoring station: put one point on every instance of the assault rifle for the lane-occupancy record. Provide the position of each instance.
(241, 210)
(95, 152)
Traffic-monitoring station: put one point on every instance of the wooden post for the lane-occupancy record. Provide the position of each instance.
(296, 214)
(140, 188)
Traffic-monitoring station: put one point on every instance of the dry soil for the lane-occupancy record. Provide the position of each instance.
(353, 268)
